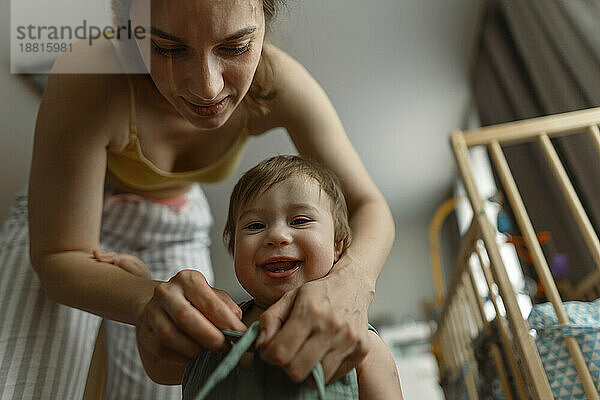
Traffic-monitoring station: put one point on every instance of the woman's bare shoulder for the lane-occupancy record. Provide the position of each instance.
(90, 103)
(83, 57)
(286, 70)
(286, 77)
(277, 56)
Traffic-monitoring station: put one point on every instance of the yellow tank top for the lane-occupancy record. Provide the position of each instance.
(133, 169)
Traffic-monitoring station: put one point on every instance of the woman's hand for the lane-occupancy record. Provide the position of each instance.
(181, 320)
(324, 320)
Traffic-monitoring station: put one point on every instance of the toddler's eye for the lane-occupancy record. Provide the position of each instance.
(254, 226)
(300, 220)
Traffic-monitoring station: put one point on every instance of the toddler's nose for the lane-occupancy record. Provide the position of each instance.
(278, 237)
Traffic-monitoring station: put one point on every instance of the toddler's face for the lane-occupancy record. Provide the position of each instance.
(284, 238)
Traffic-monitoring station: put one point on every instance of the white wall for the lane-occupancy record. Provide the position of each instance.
(18, 109)
(395, 71)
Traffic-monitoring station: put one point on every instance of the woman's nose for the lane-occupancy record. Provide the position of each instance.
(278, 236)
(206, 79)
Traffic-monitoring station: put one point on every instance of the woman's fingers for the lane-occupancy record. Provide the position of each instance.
(186, 318)
(196, 310)
(156, 350)
(347, 364)
(224, 296)
(300, 345)
(203, 297)
(314, 332)
(337, 354)
(163, 365)
(165, 331)
(347, 350)
(311, 352)
(182, 318)
(282, 348)
(273, 318)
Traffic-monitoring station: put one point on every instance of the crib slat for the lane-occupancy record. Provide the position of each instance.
(595, 134)
(465, 247)
(444, 336)
(583, 222)
(456, 338)
(462, 346)
(453, 340)
(539, 263)
(541, 267)
(476, 307)
(484, 327)
(501, 370)
(524, 131)
(447, 349)
(441, 343)
(525, 346)
(466, 323)
(502, 330)
(469, 319)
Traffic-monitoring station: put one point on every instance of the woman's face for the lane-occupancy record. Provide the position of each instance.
(204, 54)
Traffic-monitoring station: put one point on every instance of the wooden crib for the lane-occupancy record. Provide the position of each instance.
(462, 318)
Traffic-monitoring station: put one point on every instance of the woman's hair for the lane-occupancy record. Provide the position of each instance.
(277, 169)
(261, 90)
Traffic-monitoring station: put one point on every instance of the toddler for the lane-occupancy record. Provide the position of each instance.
(288, 225)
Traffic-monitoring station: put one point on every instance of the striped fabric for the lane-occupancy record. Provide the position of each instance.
(45, 347)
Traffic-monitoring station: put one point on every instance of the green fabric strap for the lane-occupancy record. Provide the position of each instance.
(232, 359)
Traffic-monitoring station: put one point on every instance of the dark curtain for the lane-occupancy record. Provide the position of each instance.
(535, 58)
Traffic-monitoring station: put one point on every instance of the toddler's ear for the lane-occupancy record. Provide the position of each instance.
(339, 248)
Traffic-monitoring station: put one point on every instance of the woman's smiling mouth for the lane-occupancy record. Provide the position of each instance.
(207, 110)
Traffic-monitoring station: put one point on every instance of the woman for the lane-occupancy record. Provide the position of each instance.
(212, 83)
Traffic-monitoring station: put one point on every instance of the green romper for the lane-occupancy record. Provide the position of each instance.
(215, 375)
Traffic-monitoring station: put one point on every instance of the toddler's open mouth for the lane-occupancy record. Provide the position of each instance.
(281, 268)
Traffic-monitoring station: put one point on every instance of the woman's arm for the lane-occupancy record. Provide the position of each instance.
(176, 319)
(336, 305)
(65, 198)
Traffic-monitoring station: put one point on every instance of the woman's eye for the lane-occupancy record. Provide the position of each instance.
(170, 52)
(300, 220)
(254, 226)
(236, 50)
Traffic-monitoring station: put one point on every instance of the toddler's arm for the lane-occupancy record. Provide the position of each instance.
(377, 374)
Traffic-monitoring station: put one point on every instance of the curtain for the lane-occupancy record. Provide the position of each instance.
(535, 58)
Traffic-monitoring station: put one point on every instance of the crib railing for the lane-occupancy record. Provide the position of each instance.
(463, 316)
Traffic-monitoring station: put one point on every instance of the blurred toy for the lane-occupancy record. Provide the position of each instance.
(558, 262)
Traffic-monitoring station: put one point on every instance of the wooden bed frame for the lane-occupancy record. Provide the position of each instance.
(463, 317)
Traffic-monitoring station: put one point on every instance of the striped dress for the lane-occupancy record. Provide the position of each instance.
(46, 347)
